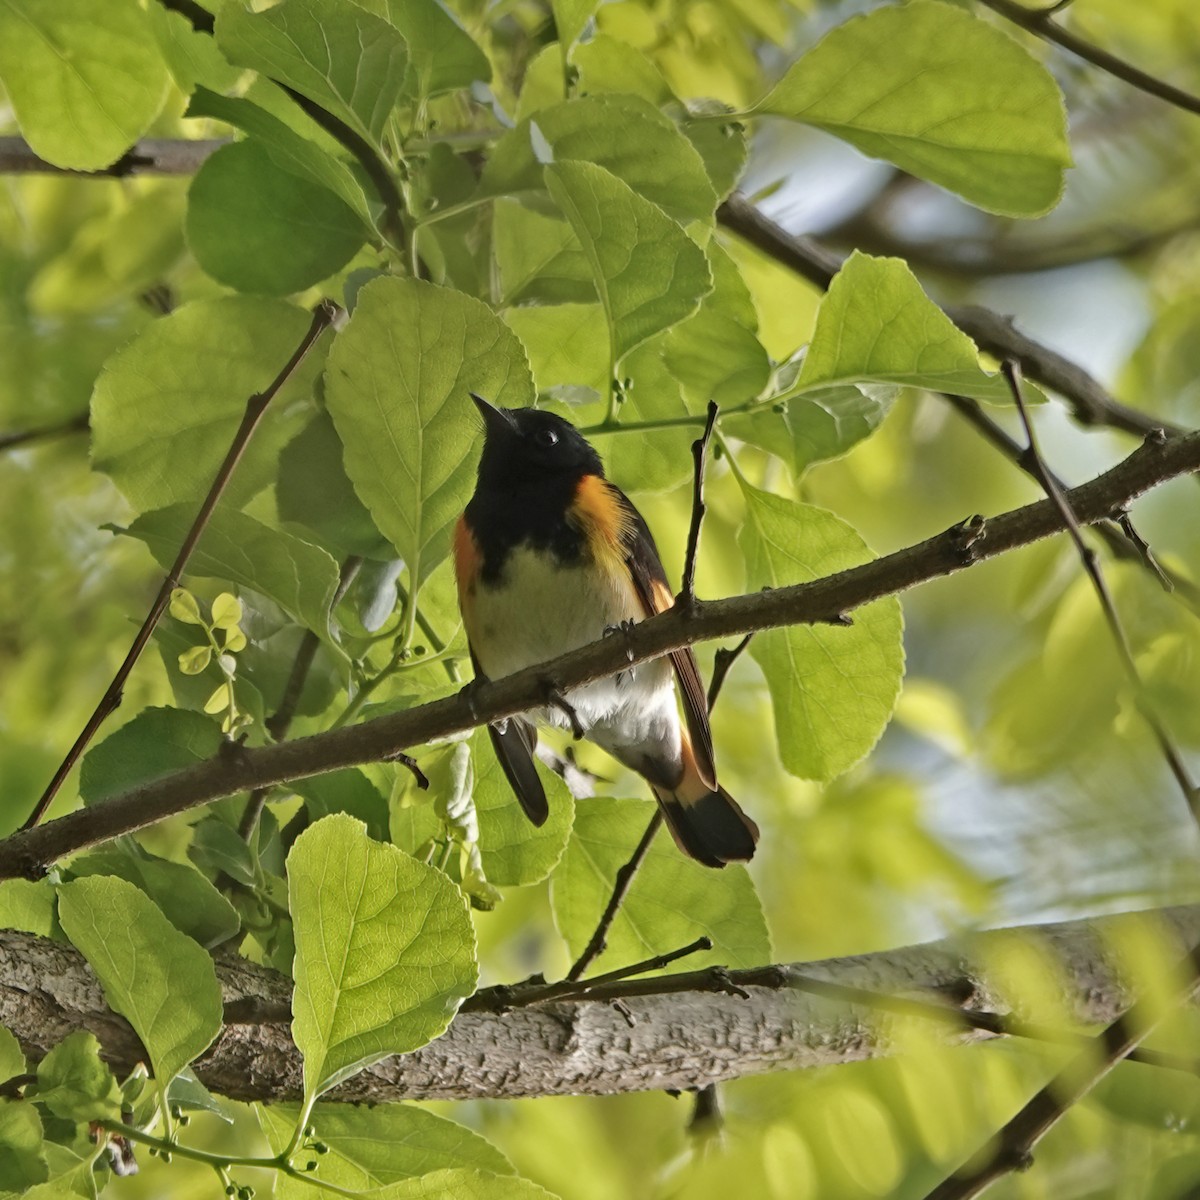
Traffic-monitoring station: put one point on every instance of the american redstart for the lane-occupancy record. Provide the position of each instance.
(550, 556)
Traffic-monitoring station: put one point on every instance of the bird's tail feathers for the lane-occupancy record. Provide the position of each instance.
(706, 823)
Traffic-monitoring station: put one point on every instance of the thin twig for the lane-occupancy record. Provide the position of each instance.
(722, 661)
(687, 592)
(621, 885)
(1038, 21)
(1014, 1144)
(280, 721)
(707, 1117)
(79, 424)
(1089, 401)
(1091, 564)
(956, 549)
(323, 316)
(149, 156)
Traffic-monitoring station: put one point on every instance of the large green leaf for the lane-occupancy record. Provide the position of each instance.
(338, 55)
(84, 77)
(348, 791)
(385, 952)
(623, 134)
(397, 388)
(571, 18)
(875, 324)
(21, 1161)
(157, 742)
(649, 273)
(514, 850)
(942, 94)
(160, 980)
(671, 902)
(12, 1058)
(561, 342)
(188, 900)
(464, 1184)
(289, 149)
(257, 227)
(833, 689)
(373, 1147)
(166, 405)
(235, 548)
(73, 1082)
(444, 56)
(538, 257)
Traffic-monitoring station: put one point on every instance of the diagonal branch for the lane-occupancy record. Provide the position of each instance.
(1039, 21)
(819, 601)
(689, 1030)
(255, 407)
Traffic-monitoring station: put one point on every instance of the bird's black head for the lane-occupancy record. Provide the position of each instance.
(526, 445)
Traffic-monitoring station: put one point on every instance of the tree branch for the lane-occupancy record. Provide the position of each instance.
(22, 437)
(688, 1030)
(1038, 21)
(255, 407)
(1090, 403)
(240, 769)
(150, 156)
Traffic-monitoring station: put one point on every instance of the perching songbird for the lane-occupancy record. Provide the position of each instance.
(550, 556)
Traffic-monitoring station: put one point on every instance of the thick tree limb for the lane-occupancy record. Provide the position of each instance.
(825, 600)
(1089, 402)
(688, 1030)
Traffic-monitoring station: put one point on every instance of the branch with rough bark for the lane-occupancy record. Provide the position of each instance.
(827, 600)
(687, 1030)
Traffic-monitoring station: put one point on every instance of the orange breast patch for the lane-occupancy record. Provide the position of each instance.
(467, 563)
(602, 519)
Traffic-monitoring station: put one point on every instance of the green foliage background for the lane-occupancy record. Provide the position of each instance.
(550, 235)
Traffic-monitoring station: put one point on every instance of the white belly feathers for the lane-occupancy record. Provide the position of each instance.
(539, 610)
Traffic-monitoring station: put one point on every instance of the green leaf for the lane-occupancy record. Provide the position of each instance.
(348, 791)
(160, 980)
(464, 1184)
(31, 905)
(235, 548)
(338, 55)
(195, 660)
(157, 742)
(217, 846)
(167, 404)
(571, 18)
(397, 389)
(833, 689)
(258, 227)
(649, 273)
(942, 94)
(84, 77)
(73, 1082)
(226, 611)
(444, 56)
(189, 901)
(314, 492)
(561, 342)
(671, 902)
(625, 135)
(191, 55)
(12, 1057)
(538, 257)
(875, 324)
(290, 150)
(514, 850)
(607, 64)
(183, 607)
(373, 1147)
(21, 1161)
(385, 952)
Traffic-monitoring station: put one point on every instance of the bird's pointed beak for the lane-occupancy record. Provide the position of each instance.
(496, 421)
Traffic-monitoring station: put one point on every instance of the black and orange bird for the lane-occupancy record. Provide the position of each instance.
(549, 555)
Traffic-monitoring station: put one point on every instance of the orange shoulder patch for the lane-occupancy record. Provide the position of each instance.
(601, 518)
(467, 561)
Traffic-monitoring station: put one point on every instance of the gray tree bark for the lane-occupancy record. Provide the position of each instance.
(667, 1032)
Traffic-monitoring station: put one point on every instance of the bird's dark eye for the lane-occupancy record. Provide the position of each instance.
(546, 438)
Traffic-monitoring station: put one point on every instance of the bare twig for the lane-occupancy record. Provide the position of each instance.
(957, 549)
(150, 156)
(322, 317)
(1014, 1144)
(1089, 402)
(1091, 564)
(687, 591)
(79, 424)
(723, 660)
(1038, 21)
(621, 885)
